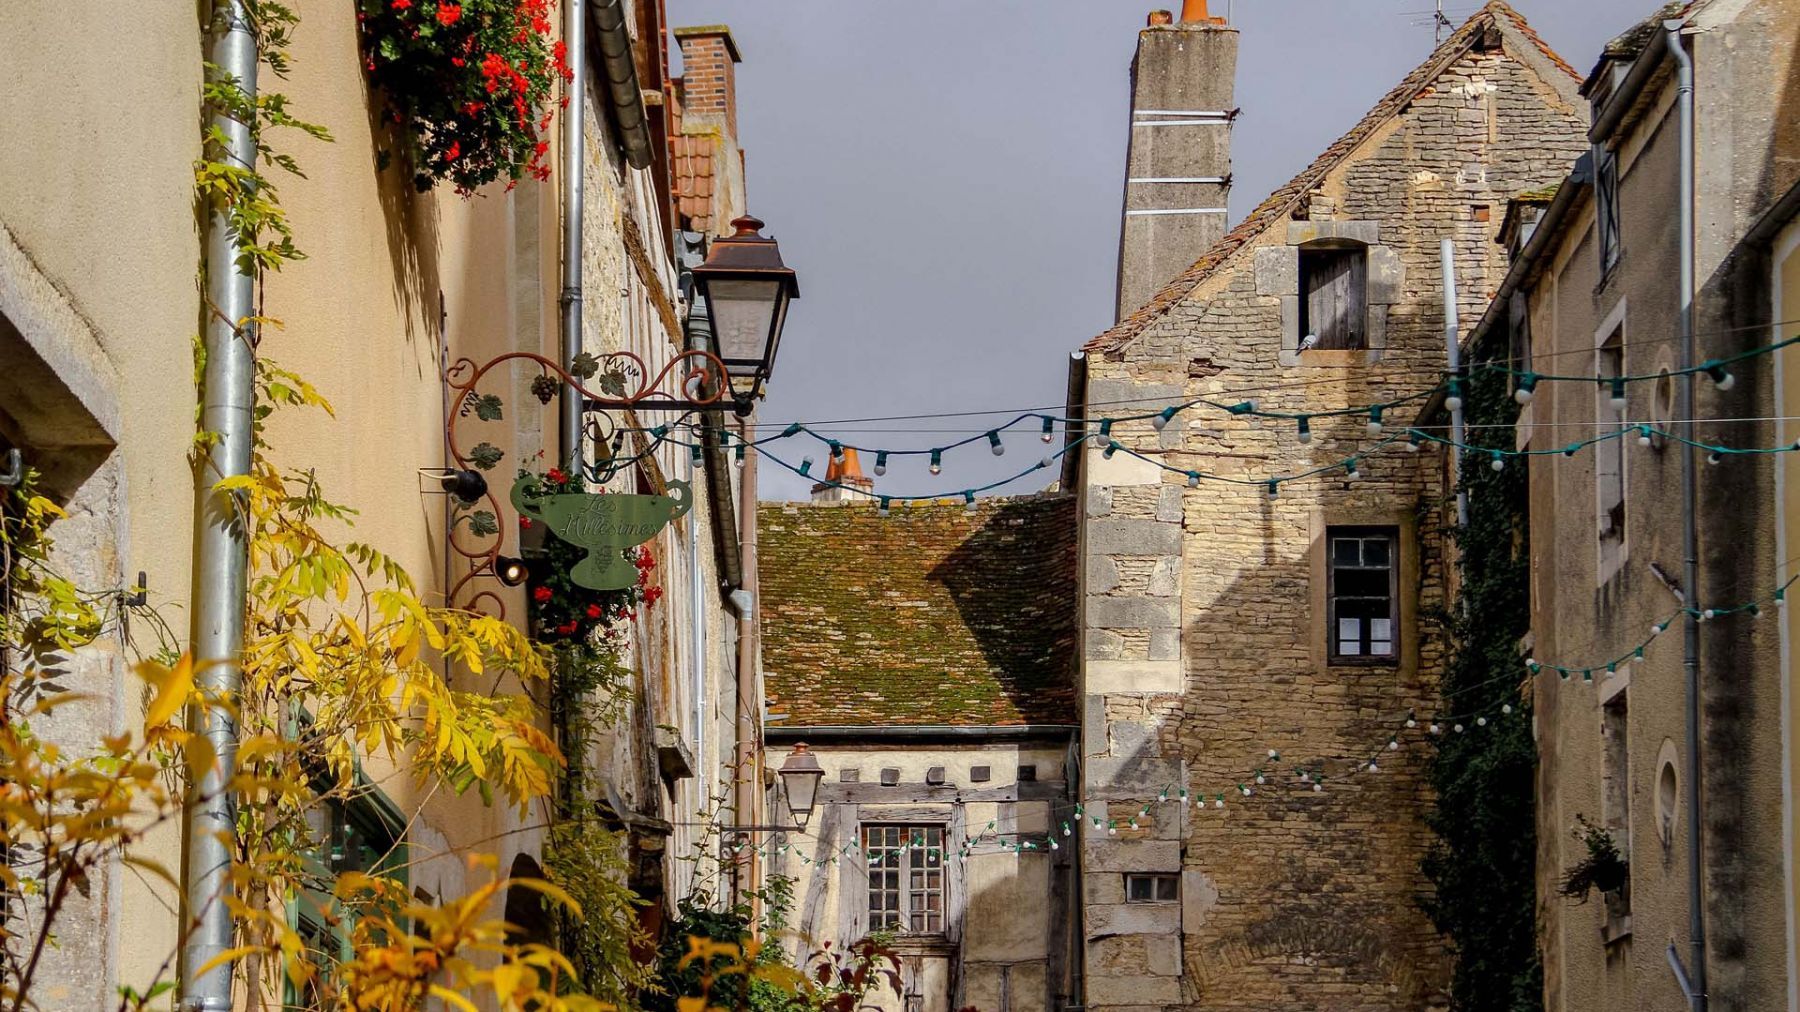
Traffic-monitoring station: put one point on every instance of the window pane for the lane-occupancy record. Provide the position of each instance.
(1375, 552)
(1345, 551)
(1381, 629)
(1137, 888)
(1380, 648)
(1362, 583)
(1350, 648)
(1166, 888)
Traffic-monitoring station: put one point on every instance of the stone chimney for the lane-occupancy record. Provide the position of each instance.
(847, 472)
(709, 59)
(1178, 164)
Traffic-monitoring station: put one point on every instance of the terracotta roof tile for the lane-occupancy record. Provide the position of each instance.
(931, 616)
(1279, 205)
(693, 172)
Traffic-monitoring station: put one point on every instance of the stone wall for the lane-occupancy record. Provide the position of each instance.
(1204, 610)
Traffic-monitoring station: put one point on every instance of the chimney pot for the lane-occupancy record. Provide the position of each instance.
(1193, 12)
(1159, 18)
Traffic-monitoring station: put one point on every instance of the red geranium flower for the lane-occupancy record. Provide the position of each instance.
(448, 14)
(593, 611)
(541, 595)
(525, 522)
(557, 476)
(401, 5)
(567, 628)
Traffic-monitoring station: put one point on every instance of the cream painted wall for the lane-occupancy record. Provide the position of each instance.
(1786, 287)
(999, 905)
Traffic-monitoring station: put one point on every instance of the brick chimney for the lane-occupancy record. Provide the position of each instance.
(846, 471)
(1178, 164)
(709, 59)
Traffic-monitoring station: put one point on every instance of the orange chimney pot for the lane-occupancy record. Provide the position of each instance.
(1159, 18)
(1193, 12)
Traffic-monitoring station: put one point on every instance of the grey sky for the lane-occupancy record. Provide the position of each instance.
(946, 177)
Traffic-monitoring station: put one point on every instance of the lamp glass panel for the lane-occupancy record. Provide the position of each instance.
(743, 313)
(802, 789)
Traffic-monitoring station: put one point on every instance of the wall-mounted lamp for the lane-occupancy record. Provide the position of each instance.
(800, 776)
(511, 571)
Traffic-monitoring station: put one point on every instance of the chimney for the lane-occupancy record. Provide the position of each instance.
(846, 472)
(1178, 162)
(709, 58)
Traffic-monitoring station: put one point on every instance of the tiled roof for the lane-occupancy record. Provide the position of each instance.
(1632, 41)
(693, 170)
(931, 616)
(1281, 204)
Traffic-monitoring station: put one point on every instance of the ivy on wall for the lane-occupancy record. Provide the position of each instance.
(1483, 863)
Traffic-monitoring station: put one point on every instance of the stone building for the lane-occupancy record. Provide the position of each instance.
(1260, 585)
(99, 245)
(927, 658)
(1594, 289)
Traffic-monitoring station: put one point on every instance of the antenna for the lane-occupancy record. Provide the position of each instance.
(1438, 18)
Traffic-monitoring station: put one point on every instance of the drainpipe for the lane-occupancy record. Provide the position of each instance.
(1690, 534)
(1453, 359)
(221, 550)
(574, 156)
(697, 614)
(748, 775)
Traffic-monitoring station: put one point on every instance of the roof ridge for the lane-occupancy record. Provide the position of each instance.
(1280, 202)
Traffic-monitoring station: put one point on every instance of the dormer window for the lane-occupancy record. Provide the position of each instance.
(1334, 297)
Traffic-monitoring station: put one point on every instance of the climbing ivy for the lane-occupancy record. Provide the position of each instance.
(1483, 861)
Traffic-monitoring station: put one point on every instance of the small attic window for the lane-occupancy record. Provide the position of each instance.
(1334, 297)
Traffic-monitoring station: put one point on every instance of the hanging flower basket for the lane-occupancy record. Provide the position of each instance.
(561, 609)
(470, 84)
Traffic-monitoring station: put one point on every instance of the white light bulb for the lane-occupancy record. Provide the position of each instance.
(1481, 721)
(1393, 746)
(1459, 729)
(1193, 479)
(1499, 464)
(1522, 395)
(1411, 723)
(1318, 788)
(1506, 708)
(1374, 428)
(1374, 768)
(1218, 802)
(1436, 730)
(1047, 461)
(936, 469)
(1259, 778)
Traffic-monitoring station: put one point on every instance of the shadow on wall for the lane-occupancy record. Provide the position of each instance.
(1013, 583)
(411, 220)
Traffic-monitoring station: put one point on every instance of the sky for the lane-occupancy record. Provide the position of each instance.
(946, 177)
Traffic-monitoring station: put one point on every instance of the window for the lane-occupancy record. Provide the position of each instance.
(1361, 609)
(906, 878)
(1333, 290)
(1609, 456)
(1615, 796)
(1143, 888)
(363, 834)
(1606, 206)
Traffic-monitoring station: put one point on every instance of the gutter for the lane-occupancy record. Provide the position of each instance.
(1432, 413)
(612, 41)
(1776, 218)
(1625, 98)
(919, 734)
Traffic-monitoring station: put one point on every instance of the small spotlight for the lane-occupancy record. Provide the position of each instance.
(511, 571)
(467, 486)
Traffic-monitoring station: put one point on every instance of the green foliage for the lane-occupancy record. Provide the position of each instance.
(600, 939)
(1602, 867)
(486, 455)
(1483, 862)
(678, 976)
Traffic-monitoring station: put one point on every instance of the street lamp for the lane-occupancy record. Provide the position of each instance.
(800, 776)
(747, 289)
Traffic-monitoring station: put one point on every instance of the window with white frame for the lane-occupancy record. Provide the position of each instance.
(1361, 601)
(906, 877)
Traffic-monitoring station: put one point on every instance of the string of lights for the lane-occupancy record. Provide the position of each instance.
(1065, 817)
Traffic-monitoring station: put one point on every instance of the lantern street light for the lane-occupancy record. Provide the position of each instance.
(800, 776)
(747, 289)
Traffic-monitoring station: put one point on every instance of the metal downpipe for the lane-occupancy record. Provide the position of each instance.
(1453, 361)
(574, 141)
(1690, 534)
(221, 552)
(748, 772)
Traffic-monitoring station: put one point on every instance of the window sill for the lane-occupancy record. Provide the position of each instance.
(1329, 358)
(922, 944)
(1616, 930)
(1362, 662)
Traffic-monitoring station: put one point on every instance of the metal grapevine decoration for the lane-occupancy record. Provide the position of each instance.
(623, 381)
(604, 524)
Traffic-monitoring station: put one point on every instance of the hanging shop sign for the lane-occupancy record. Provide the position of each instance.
(605, 524)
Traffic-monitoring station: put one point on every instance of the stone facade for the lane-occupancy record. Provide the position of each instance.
(1205, 641)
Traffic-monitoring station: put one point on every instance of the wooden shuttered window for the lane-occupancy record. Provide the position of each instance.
(1334, 297)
